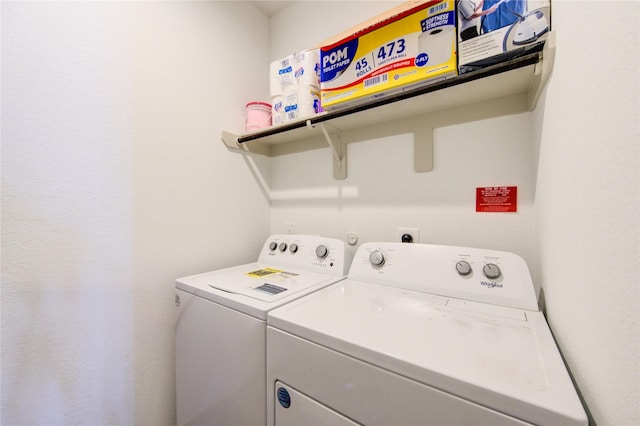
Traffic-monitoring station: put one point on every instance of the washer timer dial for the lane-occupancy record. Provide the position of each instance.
(376, 258)
(322, 251)
(491, 271)
(463, 267)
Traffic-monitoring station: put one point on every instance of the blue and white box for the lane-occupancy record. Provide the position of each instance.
(494, 31)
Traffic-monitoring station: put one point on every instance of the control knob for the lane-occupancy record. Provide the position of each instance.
(376, 258)
(293, 248)
(491, 271)
(273, 245)
(322, 251)
(283, 247)
(463, 267)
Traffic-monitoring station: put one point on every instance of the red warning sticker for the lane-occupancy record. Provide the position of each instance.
(497, 199)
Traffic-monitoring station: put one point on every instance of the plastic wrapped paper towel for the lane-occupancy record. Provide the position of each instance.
(281, 75)
(301, 102)
(302, 68)
(307, 68)
(278, 115)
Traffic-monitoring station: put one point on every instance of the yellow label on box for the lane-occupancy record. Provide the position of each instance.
(413, 48)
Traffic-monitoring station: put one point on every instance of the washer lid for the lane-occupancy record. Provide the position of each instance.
(500, 357)
(255, 288)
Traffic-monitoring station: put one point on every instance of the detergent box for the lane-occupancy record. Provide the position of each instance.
(410, 47)
(493, 31)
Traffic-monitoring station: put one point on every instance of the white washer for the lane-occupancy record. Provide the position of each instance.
(419, 335)
(221, 326)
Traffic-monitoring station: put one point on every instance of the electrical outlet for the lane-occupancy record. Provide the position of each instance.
(408, 235)
(291, 228)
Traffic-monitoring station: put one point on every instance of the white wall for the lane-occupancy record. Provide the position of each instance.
(114, 183)
(305, 24)
(587, 203)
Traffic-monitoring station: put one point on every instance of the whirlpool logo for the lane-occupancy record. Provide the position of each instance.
(490, 284)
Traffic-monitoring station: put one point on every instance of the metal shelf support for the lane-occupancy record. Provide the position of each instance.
(338, 149)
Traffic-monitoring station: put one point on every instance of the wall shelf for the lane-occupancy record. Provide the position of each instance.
(525, 76)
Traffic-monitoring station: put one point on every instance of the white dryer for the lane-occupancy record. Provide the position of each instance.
(419, 335)
(221, 326)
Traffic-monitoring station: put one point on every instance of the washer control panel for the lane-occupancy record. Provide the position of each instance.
(481, 275)
(309, 252)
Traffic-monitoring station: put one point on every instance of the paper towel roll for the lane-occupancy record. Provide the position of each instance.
(277, 110)
(306, 68)
(301, 69)
(301, 102)
(281, 75)
(438, 43)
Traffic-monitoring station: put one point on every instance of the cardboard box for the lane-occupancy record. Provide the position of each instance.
(493, 31)
(411, 46)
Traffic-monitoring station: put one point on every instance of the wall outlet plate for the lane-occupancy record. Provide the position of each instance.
(414, 232)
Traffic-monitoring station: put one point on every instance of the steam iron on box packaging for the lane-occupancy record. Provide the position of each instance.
(494, 31)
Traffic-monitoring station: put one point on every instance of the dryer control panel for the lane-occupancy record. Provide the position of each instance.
(309, 252)
(481, 275)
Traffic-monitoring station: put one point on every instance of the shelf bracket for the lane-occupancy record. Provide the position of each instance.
(423, 149)
(230, 140)
(542, 71)
(338, 149)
